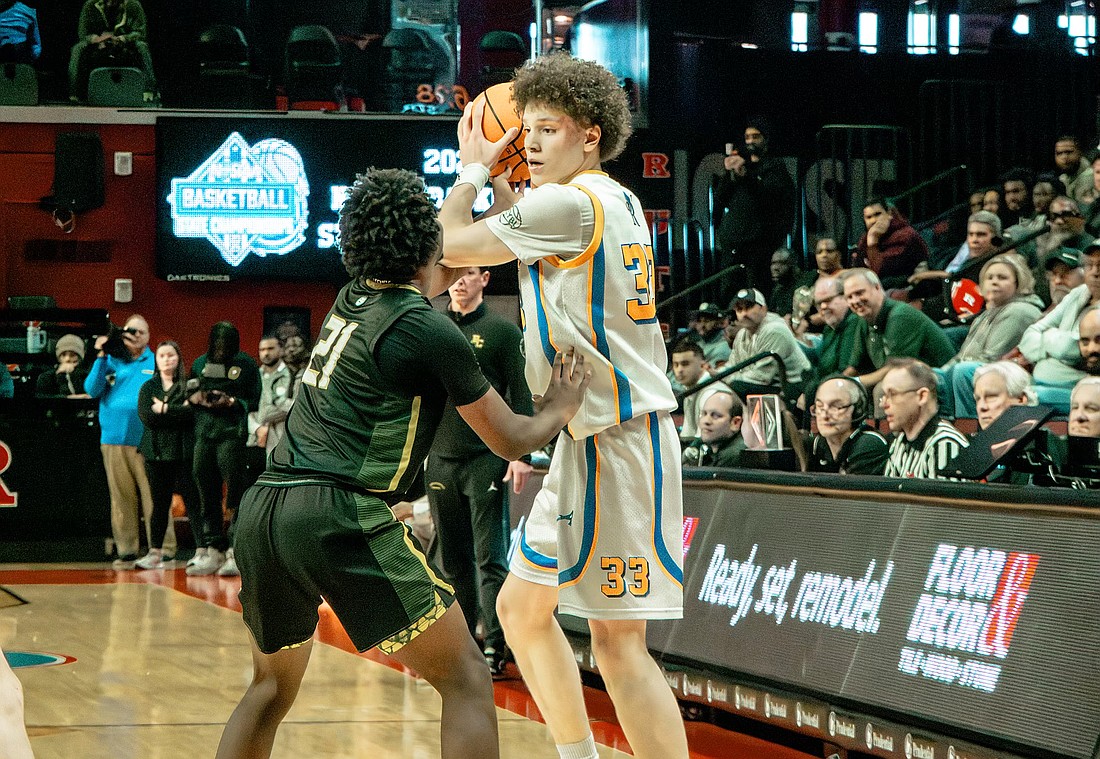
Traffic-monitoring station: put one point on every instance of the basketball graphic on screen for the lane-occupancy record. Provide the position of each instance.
(500, 115)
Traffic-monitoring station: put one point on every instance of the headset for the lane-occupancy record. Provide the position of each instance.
(862, 408)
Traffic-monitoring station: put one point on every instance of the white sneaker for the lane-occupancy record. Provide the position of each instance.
(152, 560)
(229, 568)
(199, 554)
(208, 564)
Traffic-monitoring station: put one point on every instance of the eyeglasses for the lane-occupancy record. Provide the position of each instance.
(893, 395)
(820, 409)
(823, 301)
(1066, 215)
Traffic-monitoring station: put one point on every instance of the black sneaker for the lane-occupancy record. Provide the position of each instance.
(497, 661)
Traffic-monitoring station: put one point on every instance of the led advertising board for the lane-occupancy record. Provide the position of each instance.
(258, 197)
(983, 621)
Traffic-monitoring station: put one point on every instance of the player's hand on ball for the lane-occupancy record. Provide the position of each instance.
(473, 145)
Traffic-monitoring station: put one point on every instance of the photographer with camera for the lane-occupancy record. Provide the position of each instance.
(123, 364)
(224, 387)
(756, 196)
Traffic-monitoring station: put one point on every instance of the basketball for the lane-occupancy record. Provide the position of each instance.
(500, 115)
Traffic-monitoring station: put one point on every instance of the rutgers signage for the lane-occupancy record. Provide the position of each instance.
(8, 498)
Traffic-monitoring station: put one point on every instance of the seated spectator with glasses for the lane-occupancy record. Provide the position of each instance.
(838, 339)
(844, 444)
(924, 444)
(1067, 230)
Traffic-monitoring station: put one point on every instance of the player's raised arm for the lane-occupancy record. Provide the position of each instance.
(510, 435)
(467, 242)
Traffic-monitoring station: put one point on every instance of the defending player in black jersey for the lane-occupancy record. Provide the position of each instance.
(317, 524)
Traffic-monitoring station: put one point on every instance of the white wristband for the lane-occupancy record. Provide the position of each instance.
(476, 174)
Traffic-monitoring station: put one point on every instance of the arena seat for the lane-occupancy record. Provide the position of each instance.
(224, 72)
(122, 87)
(501, 53)
(18, 84)
(313, 70)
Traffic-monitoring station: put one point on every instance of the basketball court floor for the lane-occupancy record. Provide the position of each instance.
(149, 665)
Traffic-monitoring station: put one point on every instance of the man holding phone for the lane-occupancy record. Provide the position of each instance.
(224, 386)
(755, 195)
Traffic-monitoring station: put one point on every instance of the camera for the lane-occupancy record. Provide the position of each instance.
(115, 345)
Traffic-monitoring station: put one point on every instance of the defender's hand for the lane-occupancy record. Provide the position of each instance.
(568, 382)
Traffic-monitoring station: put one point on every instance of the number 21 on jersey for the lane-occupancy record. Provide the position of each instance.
(334, 338)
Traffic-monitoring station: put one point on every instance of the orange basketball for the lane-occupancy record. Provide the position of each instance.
(500, 116)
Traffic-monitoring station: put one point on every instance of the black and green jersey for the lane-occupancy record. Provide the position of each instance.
(374, 391)
(498, 346)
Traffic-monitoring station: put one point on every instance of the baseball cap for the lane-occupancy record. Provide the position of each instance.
(751, 295)
(708, 309)
(1071, 257)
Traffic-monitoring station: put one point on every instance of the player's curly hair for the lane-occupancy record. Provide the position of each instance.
(388, 226)
(585, 91)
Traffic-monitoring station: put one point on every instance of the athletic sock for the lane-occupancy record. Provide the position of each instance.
(585, 749)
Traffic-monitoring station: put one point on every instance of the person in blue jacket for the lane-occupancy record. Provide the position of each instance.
(115, 379)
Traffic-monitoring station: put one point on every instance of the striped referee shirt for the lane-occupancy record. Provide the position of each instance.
(927, 454)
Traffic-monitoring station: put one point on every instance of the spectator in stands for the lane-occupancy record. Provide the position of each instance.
(167, 445)
(760, 331)
(997, 386)
(838, 339)
(890, 247)
(1075, 174)
(1052, 343)
(116, 379)
(1017, 208)
(1092, 209)
(805, 316)
(1010, 308)
(923, 443)
(66, 380)
(888, 329)
(983, 237)
(1084, 410)
(991, 200)
(977, 199)
(844, 444)
(709, 323)
(1061, 274)
(719, 443)
(110, 33)
(7, 384)
(1067, 229)
(1089, 341)
(756, 196)
(785, 277)
(20, 39)
(228, 388)
(1047, 187)
(690, 367)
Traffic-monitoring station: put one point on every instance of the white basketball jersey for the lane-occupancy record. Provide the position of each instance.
(596, 297)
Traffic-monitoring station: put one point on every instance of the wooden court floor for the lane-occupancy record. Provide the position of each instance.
(153, 663)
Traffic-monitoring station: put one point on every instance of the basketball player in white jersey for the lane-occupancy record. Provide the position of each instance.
(604, 539)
